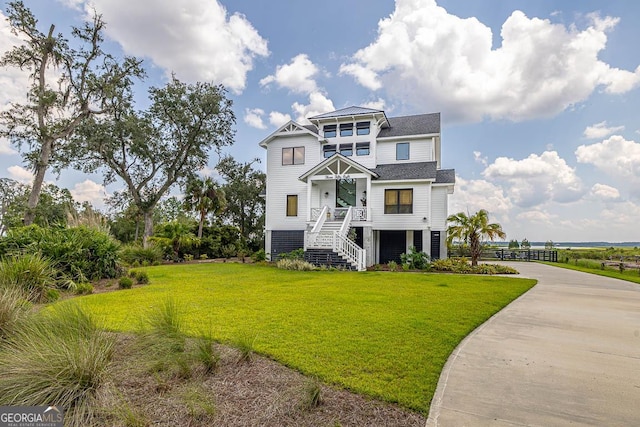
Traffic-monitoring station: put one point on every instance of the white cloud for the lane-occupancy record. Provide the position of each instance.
(540, 68)
(615, 156)
(20, 174)
(278, 119)
(5, 147)
(378, 104)
(536, 216)
(89, 191)
(253, 117)
(605, 192)
(536, 179)
(318, 104)
(14, 82)
(296, 76)
(196, 39)
(477, 156)
(601, 130)
(473, 195)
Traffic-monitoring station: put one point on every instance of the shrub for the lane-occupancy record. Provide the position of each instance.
(461, 266)
(295, 254)
(31, 273)
(295, 264)
(392, 265)
(125, 283)
(59, 357)
(259, 256)
(84, 289)
(142, 277)
(188, 257)
(311, 395)
(136, 255)
(415, 260)
(79, 254)
(245, 345)
(14, 309)
(206, 354)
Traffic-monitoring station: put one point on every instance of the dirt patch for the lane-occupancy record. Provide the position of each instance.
(256, 393)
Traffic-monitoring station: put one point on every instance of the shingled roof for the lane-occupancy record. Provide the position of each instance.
(421, 124)
(399, 171)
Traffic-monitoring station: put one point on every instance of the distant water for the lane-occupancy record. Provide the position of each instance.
(560, 245)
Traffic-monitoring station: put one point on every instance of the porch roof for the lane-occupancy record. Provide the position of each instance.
(335, 160)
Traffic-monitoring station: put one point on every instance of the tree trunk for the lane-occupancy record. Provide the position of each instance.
(201, 225)
(38, 180)
(148, 227)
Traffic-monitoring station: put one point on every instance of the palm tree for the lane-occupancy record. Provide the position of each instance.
(204, 196)
(473, 229)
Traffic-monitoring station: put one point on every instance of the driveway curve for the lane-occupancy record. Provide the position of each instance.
(567, 352)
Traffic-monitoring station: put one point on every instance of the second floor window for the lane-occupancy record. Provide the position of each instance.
(293, 156)
(362, 128)
(329, 131)
(362, 148)
(346, 129)
(328, 150)
(398, 201)
(346, 149)
(402, 151)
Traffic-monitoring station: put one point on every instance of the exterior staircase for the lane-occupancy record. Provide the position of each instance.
(327, 244)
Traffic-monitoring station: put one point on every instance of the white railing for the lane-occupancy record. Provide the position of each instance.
(320, 219)
(359, 214)
(349, 250)
(346, 222)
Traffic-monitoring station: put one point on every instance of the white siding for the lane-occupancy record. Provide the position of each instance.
(414, 221)
(420, 150)
(282, 180)
(439, 208)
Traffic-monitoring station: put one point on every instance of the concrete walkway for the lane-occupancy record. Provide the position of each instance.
(565, 353)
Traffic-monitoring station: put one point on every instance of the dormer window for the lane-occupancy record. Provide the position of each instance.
(363, 128)
(346, 129)
(330, 131)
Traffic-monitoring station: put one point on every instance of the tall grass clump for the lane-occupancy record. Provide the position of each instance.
(14, 310)
(295, 264)
(33, 274)
(60, 357)
(162, 340)
(136, 255)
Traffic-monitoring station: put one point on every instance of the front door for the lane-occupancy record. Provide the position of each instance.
(392, 244)
(345, 193)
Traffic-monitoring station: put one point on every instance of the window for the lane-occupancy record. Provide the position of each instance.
(329, 150)
(292, 205)
(398, 201)
(329, 131)
(345, 193)
(362, 128)
(346, 129)
(362, 148)
(346, 149)
(293, 156)
(402, 151)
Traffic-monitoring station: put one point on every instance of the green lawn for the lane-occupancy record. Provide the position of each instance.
(594, 267)
(382, 334)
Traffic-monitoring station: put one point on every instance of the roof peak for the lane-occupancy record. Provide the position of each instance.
(348, 111)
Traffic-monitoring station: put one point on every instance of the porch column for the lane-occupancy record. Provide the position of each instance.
(309, 187)
(369, 198)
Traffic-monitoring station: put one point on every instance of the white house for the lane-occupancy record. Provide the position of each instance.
(357, 185)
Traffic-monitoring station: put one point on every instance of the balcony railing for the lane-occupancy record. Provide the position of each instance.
(338, 214)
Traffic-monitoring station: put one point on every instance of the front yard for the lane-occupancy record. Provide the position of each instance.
(381, 334)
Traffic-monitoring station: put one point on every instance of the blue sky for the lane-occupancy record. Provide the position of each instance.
(539, 100)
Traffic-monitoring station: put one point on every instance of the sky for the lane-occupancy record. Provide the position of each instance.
(539, 100)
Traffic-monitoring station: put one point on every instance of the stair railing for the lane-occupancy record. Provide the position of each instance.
(312, 235)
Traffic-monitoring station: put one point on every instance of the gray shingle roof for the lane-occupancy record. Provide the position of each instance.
(446, 176)
(311, 128)
(420, 124)
(349, 111)
(421, 170)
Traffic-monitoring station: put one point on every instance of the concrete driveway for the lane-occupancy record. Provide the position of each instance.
(565, 353)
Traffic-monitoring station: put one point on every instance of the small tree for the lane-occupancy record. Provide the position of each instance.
(513, 244)
(473, 229)
(548, 245)
(525, 244)
(204, 196)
